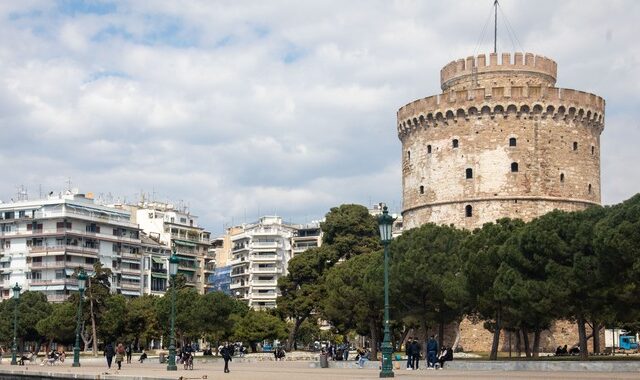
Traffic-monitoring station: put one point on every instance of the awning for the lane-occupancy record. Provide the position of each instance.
(130, 293)
(42, 288)
(5, 259)
(184, 242)
(130, 277)
(69, 272)
(133, 261)
(158, 260)
(158, 275)
(184, 258)
(55, 287)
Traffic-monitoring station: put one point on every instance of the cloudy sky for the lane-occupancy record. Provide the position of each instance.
(245, 108)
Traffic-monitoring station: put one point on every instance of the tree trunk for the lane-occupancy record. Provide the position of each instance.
(425, 334)
(441, 334)
(293, 333)
(456, 341)
(596, 337)
(518, 342)
(525, 339)
(536, 343)
(496, 337)
(94, 335)
(373, 330)
(582, 335)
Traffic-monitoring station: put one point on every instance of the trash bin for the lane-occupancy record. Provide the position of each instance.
(324, 362)
(162, 357)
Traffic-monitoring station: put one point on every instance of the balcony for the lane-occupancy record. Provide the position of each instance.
(129, 271)
(237, 285)
(265, 244)
(61, 281)
(241, 260)
(264, 257)
(239, 274)
(262, 296)
(120, 219)
(130, 285)
(57, 297)
(266, 270)
(264, 282)
(63, 248)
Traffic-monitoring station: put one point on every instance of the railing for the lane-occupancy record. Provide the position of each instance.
(130, 285)
(57, 297)
(265, 244)
(55, 248)
(129, 271)
(263, 295)
(264, 257)
(239, 274)
(264, 282)
(61, 281)
(53, 214)
(60, 264)
(265, 270)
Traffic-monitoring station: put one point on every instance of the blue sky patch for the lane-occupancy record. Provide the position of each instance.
(74, 7)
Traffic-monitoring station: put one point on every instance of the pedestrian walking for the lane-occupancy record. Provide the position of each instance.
(109, 353)
(432, 352)
(416, 354)
(226, 354)
(128, 351)
(120, 353)
(345, 352)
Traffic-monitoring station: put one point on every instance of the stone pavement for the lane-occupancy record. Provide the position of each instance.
(269, 370)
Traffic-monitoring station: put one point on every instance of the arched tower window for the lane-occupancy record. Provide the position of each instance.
(421, 189)
(429, 149)
(514, 167)
(575, 145)
(454, 143)
(512, 141)
(589, 188)
(469, 173)
(561, 177)
(468, 211)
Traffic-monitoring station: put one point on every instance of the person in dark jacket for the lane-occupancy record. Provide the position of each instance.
(416, 354)
(409, 352)
(109, 353)
(226, 353)
(432, 352)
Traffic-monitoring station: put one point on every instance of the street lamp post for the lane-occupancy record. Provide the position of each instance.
(82, 278)
(173, 271)
(14, 347)
(385, 222)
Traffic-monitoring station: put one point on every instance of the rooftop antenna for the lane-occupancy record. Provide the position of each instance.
(495, 26)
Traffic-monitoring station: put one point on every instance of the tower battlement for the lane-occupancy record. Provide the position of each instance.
(501, 140)
(473, 71)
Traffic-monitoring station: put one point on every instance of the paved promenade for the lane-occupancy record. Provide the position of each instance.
(269, 370)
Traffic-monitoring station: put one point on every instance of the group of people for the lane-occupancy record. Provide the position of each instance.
(337, 352)
(435, 358)
(279, 353)
(562, 351)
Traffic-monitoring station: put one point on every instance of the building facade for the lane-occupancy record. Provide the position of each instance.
(177, 229)
(44, 241)
(500, 141)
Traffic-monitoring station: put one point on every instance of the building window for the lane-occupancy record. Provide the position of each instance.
(514, 167)
(512, 141)
(575, 145)
(589, 188)
(421, 189)
(561, 177)
(408, 155)
(593, 150)
(468, 211)
(454, 143)
(429, 149)
(469, 173)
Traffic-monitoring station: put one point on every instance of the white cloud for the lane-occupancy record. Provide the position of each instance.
(241, 108)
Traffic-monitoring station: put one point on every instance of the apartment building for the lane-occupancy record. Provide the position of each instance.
(176, 228)
(306, 236)
(44, 241)
(155, 266)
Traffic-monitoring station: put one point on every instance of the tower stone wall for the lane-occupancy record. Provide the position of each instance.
(500, 141)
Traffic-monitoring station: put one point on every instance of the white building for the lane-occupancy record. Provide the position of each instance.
(259, 256)
(44, 241)
(178, 229)
(155, 266)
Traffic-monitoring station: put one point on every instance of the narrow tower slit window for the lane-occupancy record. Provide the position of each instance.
(468, 211)
(514, 167)
(512, 141)
(575, 145)
(561, 177)
(454, 143)
(593, 150)
(429, 149)
(469, 173)
(408, 155)
(421, 189)
(589, 188)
